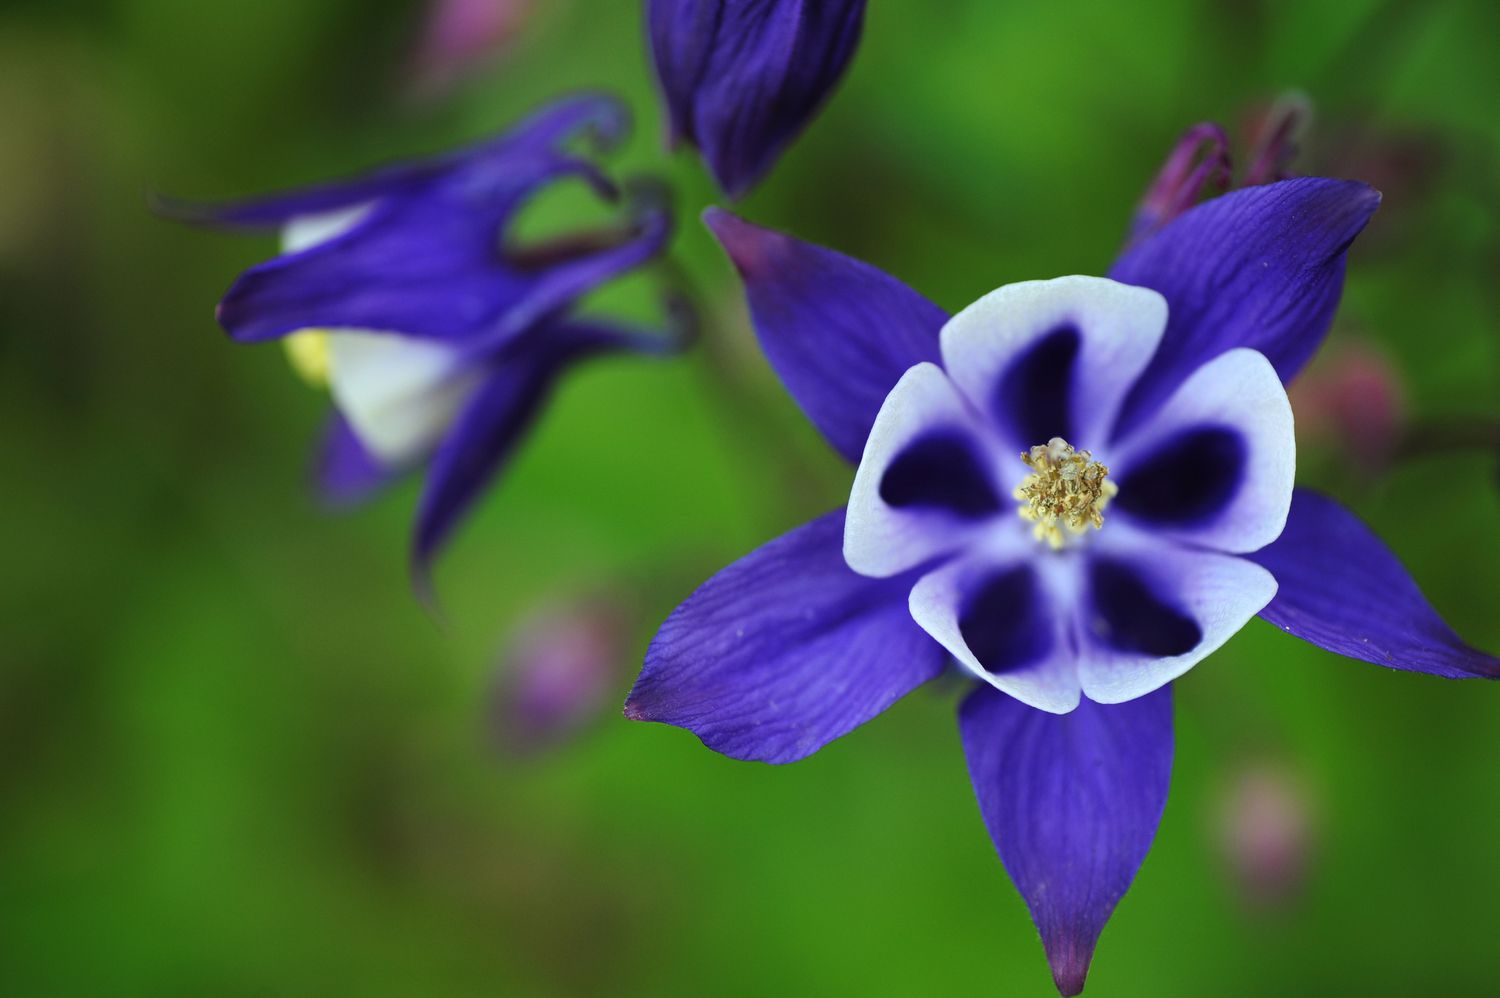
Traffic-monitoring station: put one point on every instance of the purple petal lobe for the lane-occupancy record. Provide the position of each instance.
(346, 472)
(838, 332)
(1134, 617)
(943, 471)
(602, 115)
(1188, 479)
(1150, 609)
(1005, 621)
(1214, 464)
(927, 484)
(1343, 590)
(784, 651)
(1072, 803)
(1261, 267)
(741, 80)
(1007, 617)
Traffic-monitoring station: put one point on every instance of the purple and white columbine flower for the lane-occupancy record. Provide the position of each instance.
(1139, 427)
(742, 78)
(438, 339)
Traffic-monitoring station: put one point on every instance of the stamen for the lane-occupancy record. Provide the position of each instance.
(1066, 489)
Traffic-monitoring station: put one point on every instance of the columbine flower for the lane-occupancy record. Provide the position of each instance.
(1077, 489)
(438, 339)
(741, 78)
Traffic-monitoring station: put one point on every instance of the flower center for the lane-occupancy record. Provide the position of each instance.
(1067, 488)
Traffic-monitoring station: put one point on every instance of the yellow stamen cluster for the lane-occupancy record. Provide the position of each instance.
(308, 352)
(1066, 489)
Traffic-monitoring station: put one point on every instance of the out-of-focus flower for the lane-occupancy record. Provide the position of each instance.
(438, 338)
(1265, 831)
(459, 38)
(558, 672)
(1353, 402)
(741, 78)
(1129, 561)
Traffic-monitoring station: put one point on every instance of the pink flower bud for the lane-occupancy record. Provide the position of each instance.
(1266, 834)
(560, 670)
(1352, 399)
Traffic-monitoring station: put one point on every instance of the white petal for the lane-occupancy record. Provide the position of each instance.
(399, 394)
(1220, 592)
(307, 231)
(1050, 682)
(882, 540)
(1119, 327)
(1238, 391)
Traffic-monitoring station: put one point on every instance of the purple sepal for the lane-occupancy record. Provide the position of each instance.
(1342, 589)
(495, 419)
(741, 80)
(427, 264)
(1261, 267)
(785, 650)
(1072, 802)
(838, 332)
(600, 116)
(1198, 163)
(345, 473)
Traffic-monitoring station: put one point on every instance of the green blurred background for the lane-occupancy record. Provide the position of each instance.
(239, 759)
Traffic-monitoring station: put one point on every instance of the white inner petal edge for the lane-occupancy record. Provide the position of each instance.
(1239, 390)
(1119, 328)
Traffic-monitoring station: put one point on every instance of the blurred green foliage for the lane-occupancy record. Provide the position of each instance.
(238, 757)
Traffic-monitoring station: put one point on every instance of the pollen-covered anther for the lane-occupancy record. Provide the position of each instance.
(1066, 490)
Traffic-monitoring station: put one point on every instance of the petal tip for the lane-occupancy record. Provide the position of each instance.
(747, 244)
(1069, 972)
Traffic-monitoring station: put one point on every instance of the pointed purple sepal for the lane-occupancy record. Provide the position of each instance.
(1072, 802)
(839, 332)
(1261, 267)
(784, 651)
(1342, 589)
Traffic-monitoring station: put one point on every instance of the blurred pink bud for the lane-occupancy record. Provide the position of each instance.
(1352, 399)
(560, 671)
(1266, 834)
(459, 38)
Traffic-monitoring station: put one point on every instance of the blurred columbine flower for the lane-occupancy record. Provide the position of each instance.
(1077, 489)
(1352, 403)
(438, 338)
(1265, 831)
(741, 78)
(558, 670)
